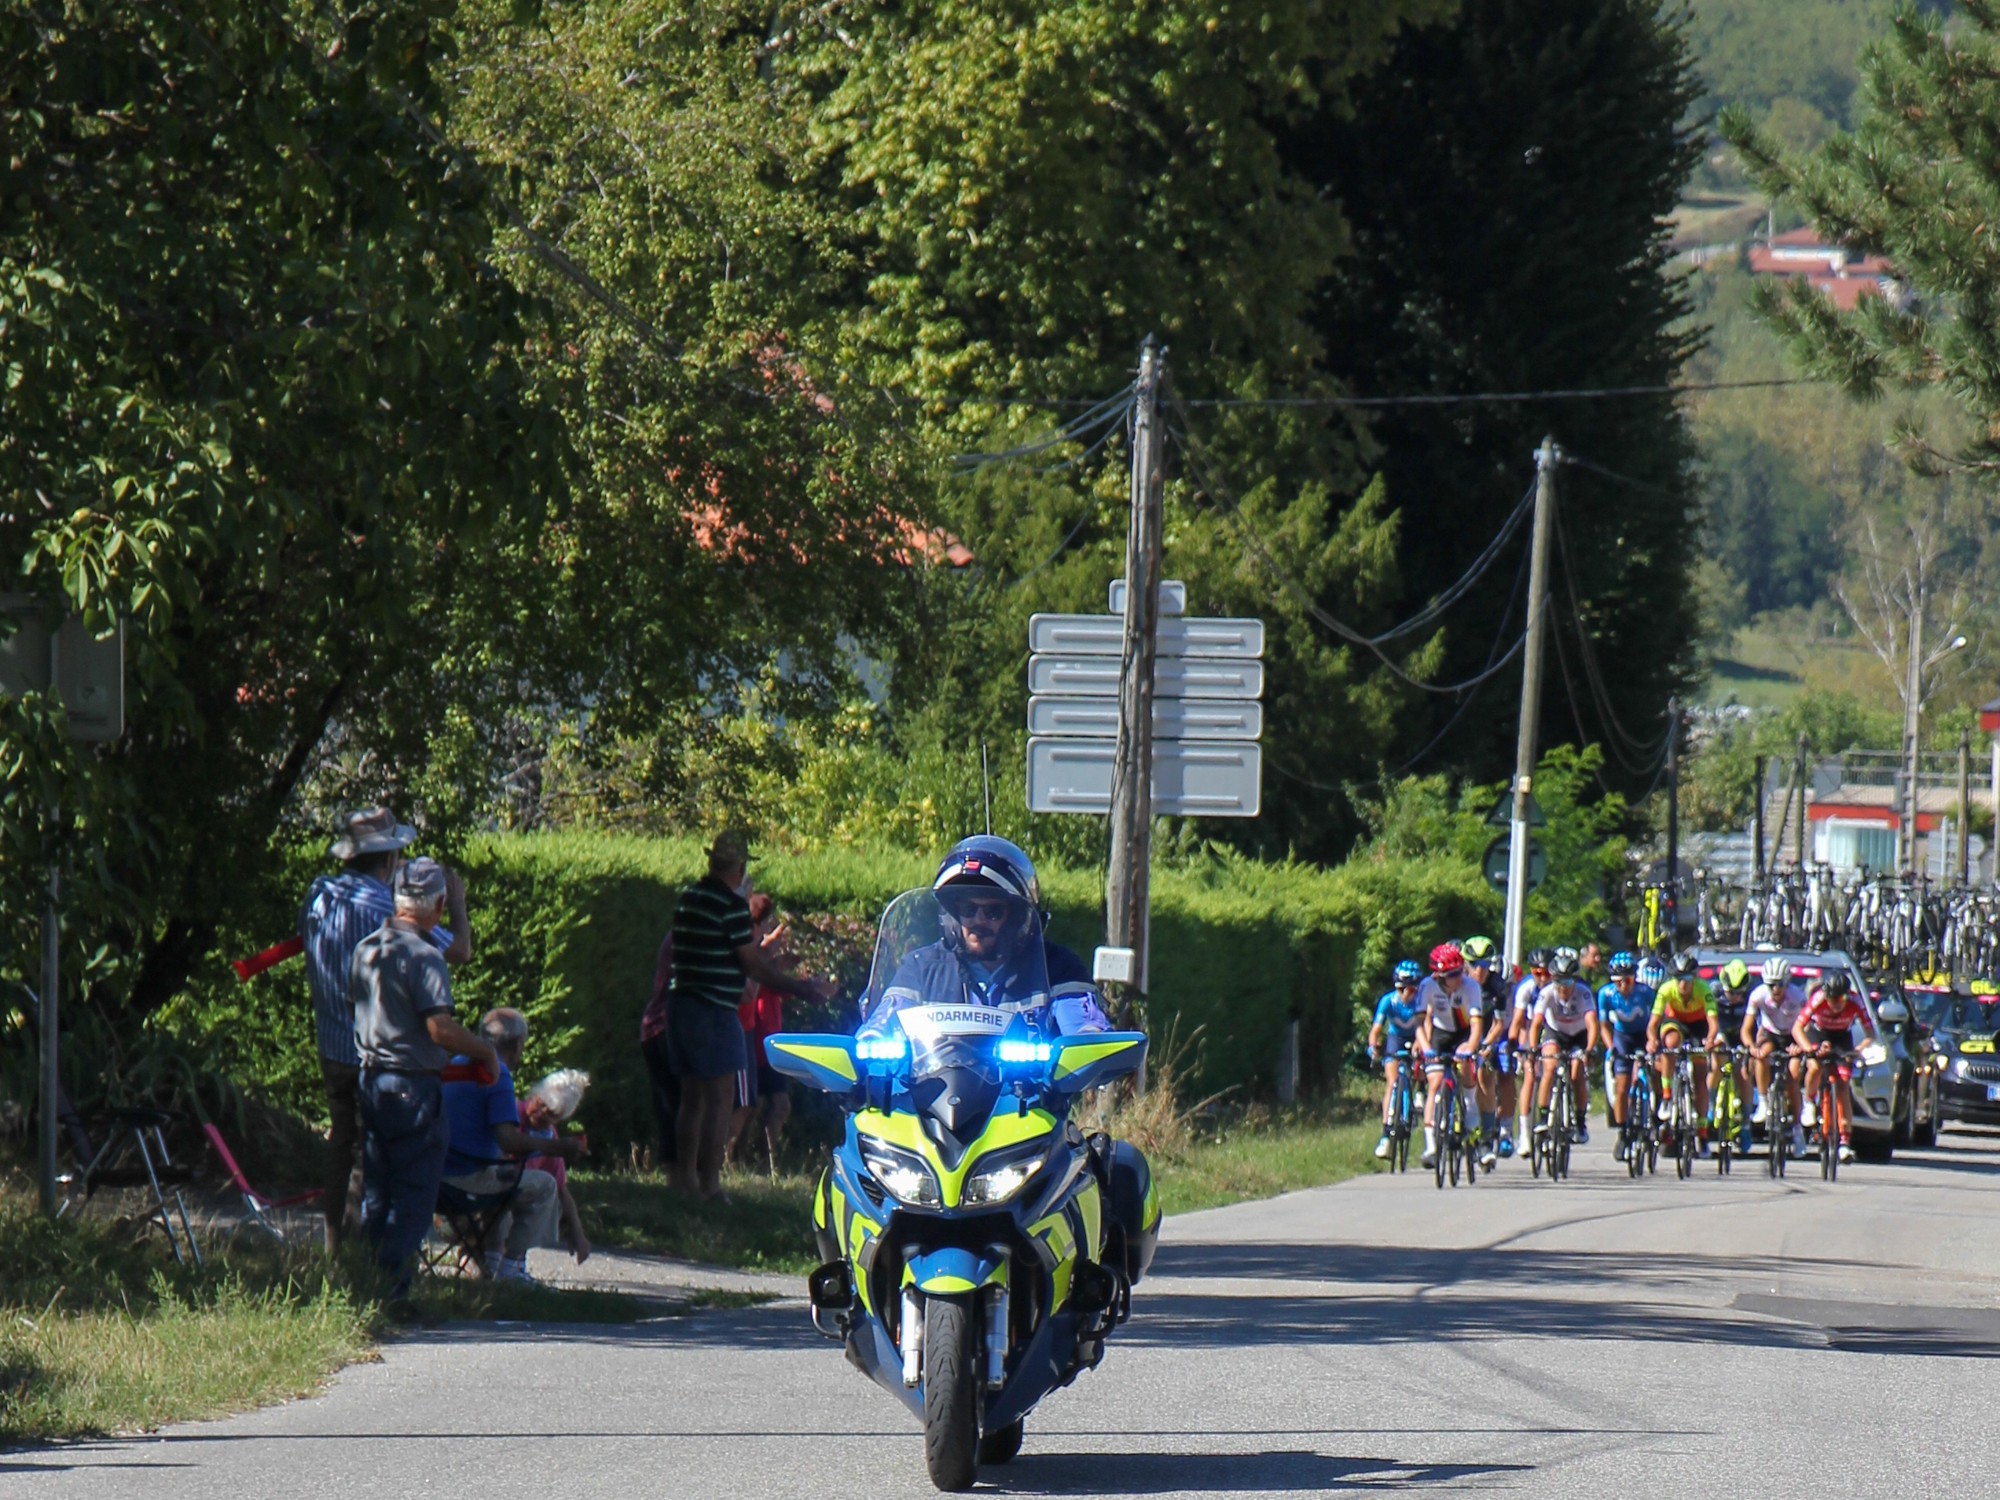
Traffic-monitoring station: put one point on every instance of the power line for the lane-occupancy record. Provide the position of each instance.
(1104, 417)
(1472, 575)
(1593, 673)
(1255, 543)
(1473, 398)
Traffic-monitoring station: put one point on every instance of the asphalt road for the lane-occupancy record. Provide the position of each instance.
(1666, 1338)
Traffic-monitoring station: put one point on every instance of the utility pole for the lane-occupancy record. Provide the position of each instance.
(49, 1021)
(1757, 826)
(1912, 691)
(1673, 901)
(1127, 894)
(1799, 828)
(1964, 808)
(1546, 458)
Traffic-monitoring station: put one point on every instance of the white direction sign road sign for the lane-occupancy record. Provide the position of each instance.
(1173, 718)
(1104, 635)
(1191, 779)
(1173, 597)
(1173, 677)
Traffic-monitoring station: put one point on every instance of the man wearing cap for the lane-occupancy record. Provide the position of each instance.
(339, 911)
(715, 950)
(405, 1034)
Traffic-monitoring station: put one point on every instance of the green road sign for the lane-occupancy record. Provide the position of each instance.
(1494, 864)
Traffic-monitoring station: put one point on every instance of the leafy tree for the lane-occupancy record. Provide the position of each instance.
(1032, 191)
(264, 401)
(1508, 175)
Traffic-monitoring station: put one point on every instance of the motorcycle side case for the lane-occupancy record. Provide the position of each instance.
(1135, 1205)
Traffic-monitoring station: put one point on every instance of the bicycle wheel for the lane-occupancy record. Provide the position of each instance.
(1562, 1105)
(1440, 1114)
(1684, 1128)
(1451, 1134)
(1829, 1131)
(1725, 1119)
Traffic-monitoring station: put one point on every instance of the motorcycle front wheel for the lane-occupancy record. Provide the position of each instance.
(951, 1393)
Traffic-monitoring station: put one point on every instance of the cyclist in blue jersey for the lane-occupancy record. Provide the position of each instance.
(1395, 1030)
(1624, 1007)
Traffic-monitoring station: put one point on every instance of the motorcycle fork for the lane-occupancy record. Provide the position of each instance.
(911, 1342)
(996, 1336)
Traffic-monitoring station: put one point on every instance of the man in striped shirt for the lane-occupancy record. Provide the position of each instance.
(339, 911)
(715, 950)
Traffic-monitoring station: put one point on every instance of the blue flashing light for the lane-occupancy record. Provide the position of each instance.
(1013, 1051)
(879, 1049)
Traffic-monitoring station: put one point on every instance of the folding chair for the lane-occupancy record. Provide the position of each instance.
(469, 1219)
(257, 1205)
(145, 1129)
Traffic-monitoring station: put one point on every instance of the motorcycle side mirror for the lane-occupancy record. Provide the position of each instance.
(1083, 1062)
(1893, 1012)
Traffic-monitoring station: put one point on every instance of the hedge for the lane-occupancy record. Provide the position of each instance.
(569, 926)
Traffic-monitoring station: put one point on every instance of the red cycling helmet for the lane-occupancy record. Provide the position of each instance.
(1446, 959)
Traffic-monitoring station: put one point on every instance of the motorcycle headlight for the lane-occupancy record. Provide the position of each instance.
(996, 1184)
(907, 1178)
(1874, 1054)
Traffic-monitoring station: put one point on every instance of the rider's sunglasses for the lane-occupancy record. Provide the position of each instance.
(985, 913)
(1406, 984)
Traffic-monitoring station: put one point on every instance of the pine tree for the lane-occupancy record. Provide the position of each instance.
(1508, 175)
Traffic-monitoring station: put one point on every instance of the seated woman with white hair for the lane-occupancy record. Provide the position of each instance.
(549, 1106)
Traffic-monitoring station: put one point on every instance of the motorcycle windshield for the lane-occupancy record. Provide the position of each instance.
(972, 948)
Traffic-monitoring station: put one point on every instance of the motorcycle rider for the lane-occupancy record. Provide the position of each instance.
(991, 907)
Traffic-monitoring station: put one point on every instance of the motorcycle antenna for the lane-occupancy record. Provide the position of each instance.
(986, 788)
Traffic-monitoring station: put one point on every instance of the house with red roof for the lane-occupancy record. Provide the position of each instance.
(1834, 271)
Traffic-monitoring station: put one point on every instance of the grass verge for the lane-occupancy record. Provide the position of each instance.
(101, 1332)
(766, 1225)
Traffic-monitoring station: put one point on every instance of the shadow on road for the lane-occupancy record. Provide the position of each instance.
(1545, 1294)
(1226, 1473)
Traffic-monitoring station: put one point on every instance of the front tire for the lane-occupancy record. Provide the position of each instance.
(1000, 1447)
(951, 1394)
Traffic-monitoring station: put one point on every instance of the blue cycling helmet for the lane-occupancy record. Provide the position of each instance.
(1652, 972)
(1409, 971)
(1622, 963)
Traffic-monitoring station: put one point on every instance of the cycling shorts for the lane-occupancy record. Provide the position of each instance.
(1731, 1022)
(1692, 1028)
(1443, 1042)
(1573, 1041)
(1627, 1047)
(1841, 1043)
(1505, 1062)
(1394, 1041)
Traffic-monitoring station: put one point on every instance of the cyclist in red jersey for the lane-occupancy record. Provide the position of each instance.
(1825, 1029)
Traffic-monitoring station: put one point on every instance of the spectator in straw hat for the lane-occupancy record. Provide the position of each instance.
(339, 911)
(715, 951)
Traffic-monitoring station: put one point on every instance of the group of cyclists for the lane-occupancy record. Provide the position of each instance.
(1510, 1042)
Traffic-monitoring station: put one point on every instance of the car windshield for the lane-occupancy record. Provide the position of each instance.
(1951, 1011)
(1806, 974)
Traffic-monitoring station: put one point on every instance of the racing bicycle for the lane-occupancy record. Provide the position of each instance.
(1457, 1141)
(1553, 1136)
(1404, 1114)
(1640, 1134)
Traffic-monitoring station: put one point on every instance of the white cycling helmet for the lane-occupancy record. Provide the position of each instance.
(1777, 972)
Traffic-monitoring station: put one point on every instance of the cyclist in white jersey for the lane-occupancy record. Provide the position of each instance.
(1565, 1022)
(1520, 1013)
(1775, 1007)
(1449, 1026)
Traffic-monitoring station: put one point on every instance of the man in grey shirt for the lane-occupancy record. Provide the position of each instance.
(405, 1034)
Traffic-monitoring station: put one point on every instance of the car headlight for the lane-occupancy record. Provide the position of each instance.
(907, 1178)
(996, 1184)
(1873, 1054)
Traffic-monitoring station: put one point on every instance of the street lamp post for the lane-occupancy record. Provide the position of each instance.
(1913, 710)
